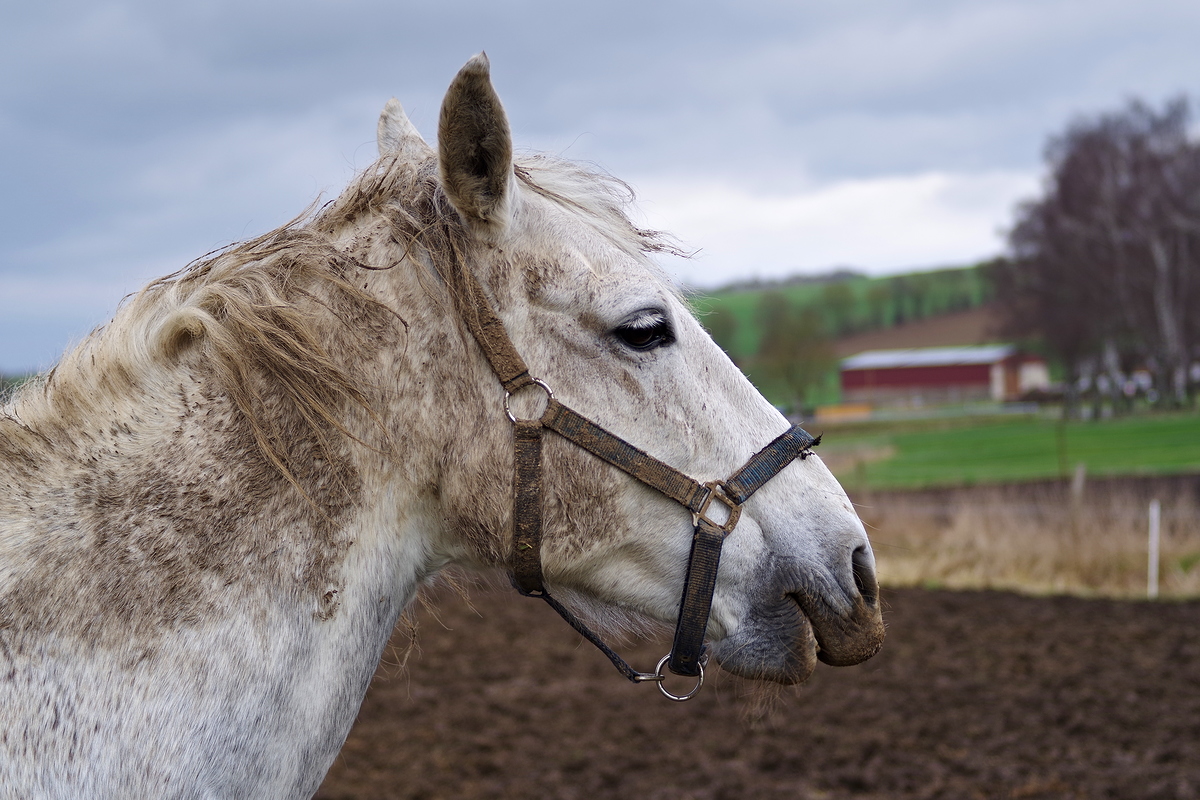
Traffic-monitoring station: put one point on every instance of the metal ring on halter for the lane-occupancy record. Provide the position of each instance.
(658, 671)
(536, 382)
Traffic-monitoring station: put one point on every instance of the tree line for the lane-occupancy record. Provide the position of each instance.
(782, 333)
(1104, 268)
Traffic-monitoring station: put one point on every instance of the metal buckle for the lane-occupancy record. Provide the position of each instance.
(536, 382)
(659, 676)
(716, 491)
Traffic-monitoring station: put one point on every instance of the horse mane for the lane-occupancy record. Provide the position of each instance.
(252, 312)
(600, 198)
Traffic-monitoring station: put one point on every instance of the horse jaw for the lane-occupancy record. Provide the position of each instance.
(796, 582)
(396, 135)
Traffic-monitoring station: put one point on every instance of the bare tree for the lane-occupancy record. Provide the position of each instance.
(1106, 266)
(794, 353)
(839, 303)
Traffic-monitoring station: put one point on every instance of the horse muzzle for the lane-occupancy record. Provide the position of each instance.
(798, 620)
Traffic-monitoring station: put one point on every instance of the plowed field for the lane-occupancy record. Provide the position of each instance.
(975, 695)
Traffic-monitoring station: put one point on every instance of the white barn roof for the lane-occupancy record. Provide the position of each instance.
(929, 357)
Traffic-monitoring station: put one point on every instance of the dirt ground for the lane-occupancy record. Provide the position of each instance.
(973, 326)
(975, 695)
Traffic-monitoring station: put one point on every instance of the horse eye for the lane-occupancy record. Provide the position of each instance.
(646, 333)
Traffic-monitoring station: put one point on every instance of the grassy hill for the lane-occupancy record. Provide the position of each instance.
(844, 305)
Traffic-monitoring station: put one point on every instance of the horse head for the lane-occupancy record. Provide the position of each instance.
(572, 281)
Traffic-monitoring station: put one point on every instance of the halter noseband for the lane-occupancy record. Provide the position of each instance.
(687, 656)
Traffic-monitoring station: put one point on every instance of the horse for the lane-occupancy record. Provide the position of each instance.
(214, 509)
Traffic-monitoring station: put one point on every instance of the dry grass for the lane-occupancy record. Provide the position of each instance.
(1037, 538)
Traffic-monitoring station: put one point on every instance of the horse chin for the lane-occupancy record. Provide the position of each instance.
(783, 641)
(777, 645)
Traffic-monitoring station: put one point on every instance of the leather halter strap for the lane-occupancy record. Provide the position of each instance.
(621, 454)
(687, 654)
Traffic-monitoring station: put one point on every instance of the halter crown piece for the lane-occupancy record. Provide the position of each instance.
(687, 656)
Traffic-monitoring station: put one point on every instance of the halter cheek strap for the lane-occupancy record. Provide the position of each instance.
(687, 656)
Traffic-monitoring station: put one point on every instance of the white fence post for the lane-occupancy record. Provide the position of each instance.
(1152, 568)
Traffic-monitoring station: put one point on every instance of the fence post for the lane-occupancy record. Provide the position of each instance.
(1152, 568)
(1078, 482)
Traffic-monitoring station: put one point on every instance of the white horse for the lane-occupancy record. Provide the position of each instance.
(213, 511)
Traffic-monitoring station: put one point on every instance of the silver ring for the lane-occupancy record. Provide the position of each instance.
(658, 670)
(536, 382)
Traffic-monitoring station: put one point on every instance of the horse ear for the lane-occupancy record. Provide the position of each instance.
(396, 136)
(475, 146)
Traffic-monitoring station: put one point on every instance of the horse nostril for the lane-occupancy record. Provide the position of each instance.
(863, 568)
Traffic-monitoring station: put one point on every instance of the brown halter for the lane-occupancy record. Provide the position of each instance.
(687, 656)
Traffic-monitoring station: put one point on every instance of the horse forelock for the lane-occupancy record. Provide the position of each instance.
(603, 201)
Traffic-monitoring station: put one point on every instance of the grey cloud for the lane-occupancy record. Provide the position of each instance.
(137, 134)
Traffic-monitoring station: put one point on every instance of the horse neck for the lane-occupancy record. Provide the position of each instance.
(144, 492)
(439, 400)
(152, 557)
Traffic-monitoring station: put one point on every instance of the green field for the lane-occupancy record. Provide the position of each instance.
(971, 452)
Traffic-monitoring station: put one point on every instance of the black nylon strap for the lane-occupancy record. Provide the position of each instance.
(583, 630)
(488, 330)
(793, 443)
(624, 456)
(527, 507)
(696, 602)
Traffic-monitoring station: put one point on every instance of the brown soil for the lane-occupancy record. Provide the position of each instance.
(975, 695)
(979, 325)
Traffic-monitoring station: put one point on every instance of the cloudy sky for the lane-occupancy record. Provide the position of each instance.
(774, 136)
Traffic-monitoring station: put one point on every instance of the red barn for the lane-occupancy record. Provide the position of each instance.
(933, 375)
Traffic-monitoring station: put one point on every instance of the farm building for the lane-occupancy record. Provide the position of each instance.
(934, 375)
